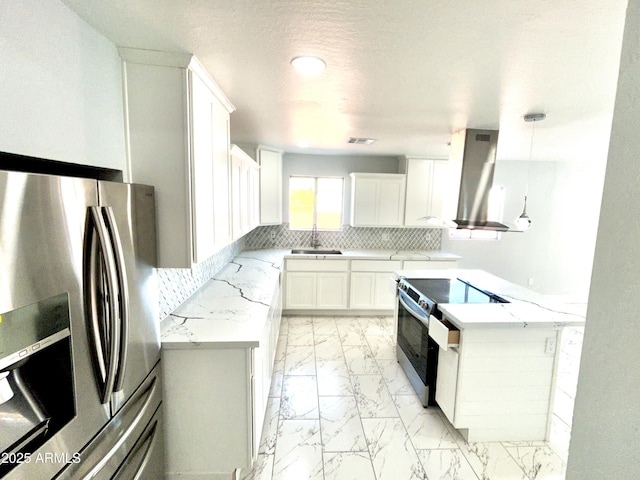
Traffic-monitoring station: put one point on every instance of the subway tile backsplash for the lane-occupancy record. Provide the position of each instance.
(352, 238)
(177, 284)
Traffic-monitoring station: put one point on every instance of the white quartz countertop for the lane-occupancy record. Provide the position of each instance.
(230, 310)
(364, 254)
(527, 309)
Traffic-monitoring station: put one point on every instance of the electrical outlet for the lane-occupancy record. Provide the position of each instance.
(385, 237)
(550, 345)
(272, 235)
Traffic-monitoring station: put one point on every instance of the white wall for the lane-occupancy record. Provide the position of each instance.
(332, 166)
(605, 437)
(61, 94)
(557, 251)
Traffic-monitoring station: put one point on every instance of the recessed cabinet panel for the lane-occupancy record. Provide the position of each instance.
(391, 202)
(365, 202)
(446, 382)
(221, 176)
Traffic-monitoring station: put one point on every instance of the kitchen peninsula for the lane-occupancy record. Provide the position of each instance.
(498, 362)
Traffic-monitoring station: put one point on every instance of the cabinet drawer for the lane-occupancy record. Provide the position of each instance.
(375, 265)
(294, 265)
(444, 333)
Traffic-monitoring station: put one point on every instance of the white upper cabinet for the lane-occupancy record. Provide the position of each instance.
(177, 123)
(426, 185)
(244, 192)
(270, 162)
(377, 199)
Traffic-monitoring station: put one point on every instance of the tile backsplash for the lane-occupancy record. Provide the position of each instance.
(279, 236)
(177, 284)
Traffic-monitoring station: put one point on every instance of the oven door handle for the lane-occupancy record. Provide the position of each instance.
(412, 311)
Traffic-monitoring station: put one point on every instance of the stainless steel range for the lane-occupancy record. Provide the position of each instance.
(418, 300)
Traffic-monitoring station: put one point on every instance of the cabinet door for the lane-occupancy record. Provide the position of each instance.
(385, 295)
(331, 290)
(362, 290)
(439, 185)
(221, 176)
(270, 186)
(390, 202)
(365, 202)
(419, 190)
(446, 381)
(254, 198)
(202, 170)
(236, 197)
(301, 290)
(244, 198)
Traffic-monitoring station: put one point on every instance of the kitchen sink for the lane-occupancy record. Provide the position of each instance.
(315, 251)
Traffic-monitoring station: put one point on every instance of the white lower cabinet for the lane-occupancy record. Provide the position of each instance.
(371, 284)
(331, 290)
(341, 284)
(215, 402)
(301, 289)
(316, 284)
(496, 383)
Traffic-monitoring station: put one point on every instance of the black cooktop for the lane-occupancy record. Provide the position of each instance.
(449, 290)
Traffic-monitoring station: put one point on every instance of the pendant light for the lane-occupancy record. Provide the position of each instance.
(523, 222)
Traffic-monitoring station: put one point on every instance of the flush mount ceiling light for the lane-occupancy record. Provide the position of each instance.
(308, 65)
(523, 222)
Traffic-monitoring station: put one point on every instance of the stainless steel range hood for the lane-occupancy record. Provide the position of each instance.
(473, 153)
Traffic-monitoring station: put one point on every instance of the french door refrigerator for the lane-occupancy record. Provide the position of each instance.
(80, 379)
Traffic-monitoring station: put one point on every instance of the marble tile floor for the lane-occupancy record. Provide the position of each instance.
(340, 408)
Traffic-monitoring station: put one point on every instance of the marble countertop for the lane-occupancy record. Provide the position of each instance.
(230, 310)
(365, 254)
(526, 308)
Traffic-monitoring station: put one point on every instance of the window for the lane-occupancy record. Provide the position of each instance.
(495, 212)
(315, 201)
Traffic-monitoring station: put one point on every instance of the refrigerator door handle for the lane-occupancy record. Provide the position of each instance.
(112, 343)
(123, 290)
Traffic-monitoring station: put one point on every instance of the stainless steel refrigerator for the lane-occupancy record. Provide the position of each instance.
(80, 379)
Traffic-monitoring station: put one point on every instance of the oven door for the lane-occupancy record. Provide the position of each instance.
(418, 348)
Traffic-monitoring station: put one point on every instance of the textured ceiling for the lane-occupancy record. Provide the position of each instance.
(407, 72)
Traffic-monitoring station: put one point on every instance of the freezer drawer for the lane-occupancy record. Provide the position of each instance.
(131, 446)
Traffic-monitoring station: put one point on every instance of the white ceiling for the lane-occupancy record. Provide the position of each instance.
(407, 72)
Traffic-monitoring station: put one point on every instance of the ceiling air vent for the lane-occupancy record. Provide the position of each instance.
(361, 141)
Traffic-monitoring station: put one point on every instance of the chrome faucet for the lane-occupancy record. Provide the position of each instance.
(315, 243)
